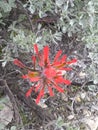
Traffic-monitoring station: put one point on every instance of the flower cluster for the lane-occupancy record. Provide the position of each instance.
(44, 74)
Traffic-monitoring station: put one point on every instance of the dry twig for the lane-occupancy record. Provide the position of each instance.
(17, 116)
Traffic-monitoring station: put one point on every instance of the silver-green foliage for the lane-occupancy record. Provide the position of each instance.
(5, 8)
(91, 39)
(74, 16)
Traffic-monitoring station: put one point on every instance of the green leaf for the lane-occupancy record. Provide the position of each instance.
(2, 126)
(1, 107)
(0, 15)
(13, 128)
(7, 6)
(12, 3)
(59, 2)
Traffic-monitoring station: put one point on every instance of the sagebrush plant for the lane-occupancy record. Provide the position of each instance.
(72, 17)
(91, 39)
(5, 8)
(46, 75)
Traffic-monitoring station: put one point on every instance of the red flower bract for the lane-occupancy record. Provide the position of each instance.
(44, 74)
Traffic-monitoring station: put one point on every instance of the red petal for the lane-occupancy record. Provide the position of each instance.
(36, 48)
(62, 64)
(37, 88)
(56, 63)
(46, 53)
(41, 60)
(59, 89)
(34, 79)
(50, 72)
(28, 93)
(63, 59)
(41, 94)
(50, 91)
(25, 76)
(41, 64)
(67, 82)
(66, 69)
(19, 63)
(57, 56)
(62, 80)
(59, 72)
(34, 59)
(46, 56)
(71, 61)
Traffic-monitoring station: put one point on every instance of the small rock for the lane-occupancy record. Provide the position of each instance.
(83, 95)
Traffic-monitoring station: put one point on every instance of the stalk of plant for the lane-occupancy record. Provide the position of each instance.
(46, 75)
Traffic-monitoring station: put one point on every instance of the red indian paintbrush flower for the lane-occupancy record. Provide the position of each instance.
(47, 75)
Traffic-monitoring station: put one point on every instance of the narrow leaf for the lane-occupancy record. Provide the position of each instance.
(59, 89)
(71, 61)
(36, 48)
(28, 93)
(34, 60)
(40, 95)
(50, 91)
(46, 53)
(19, 63)
(37, 88)
(57, 56)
